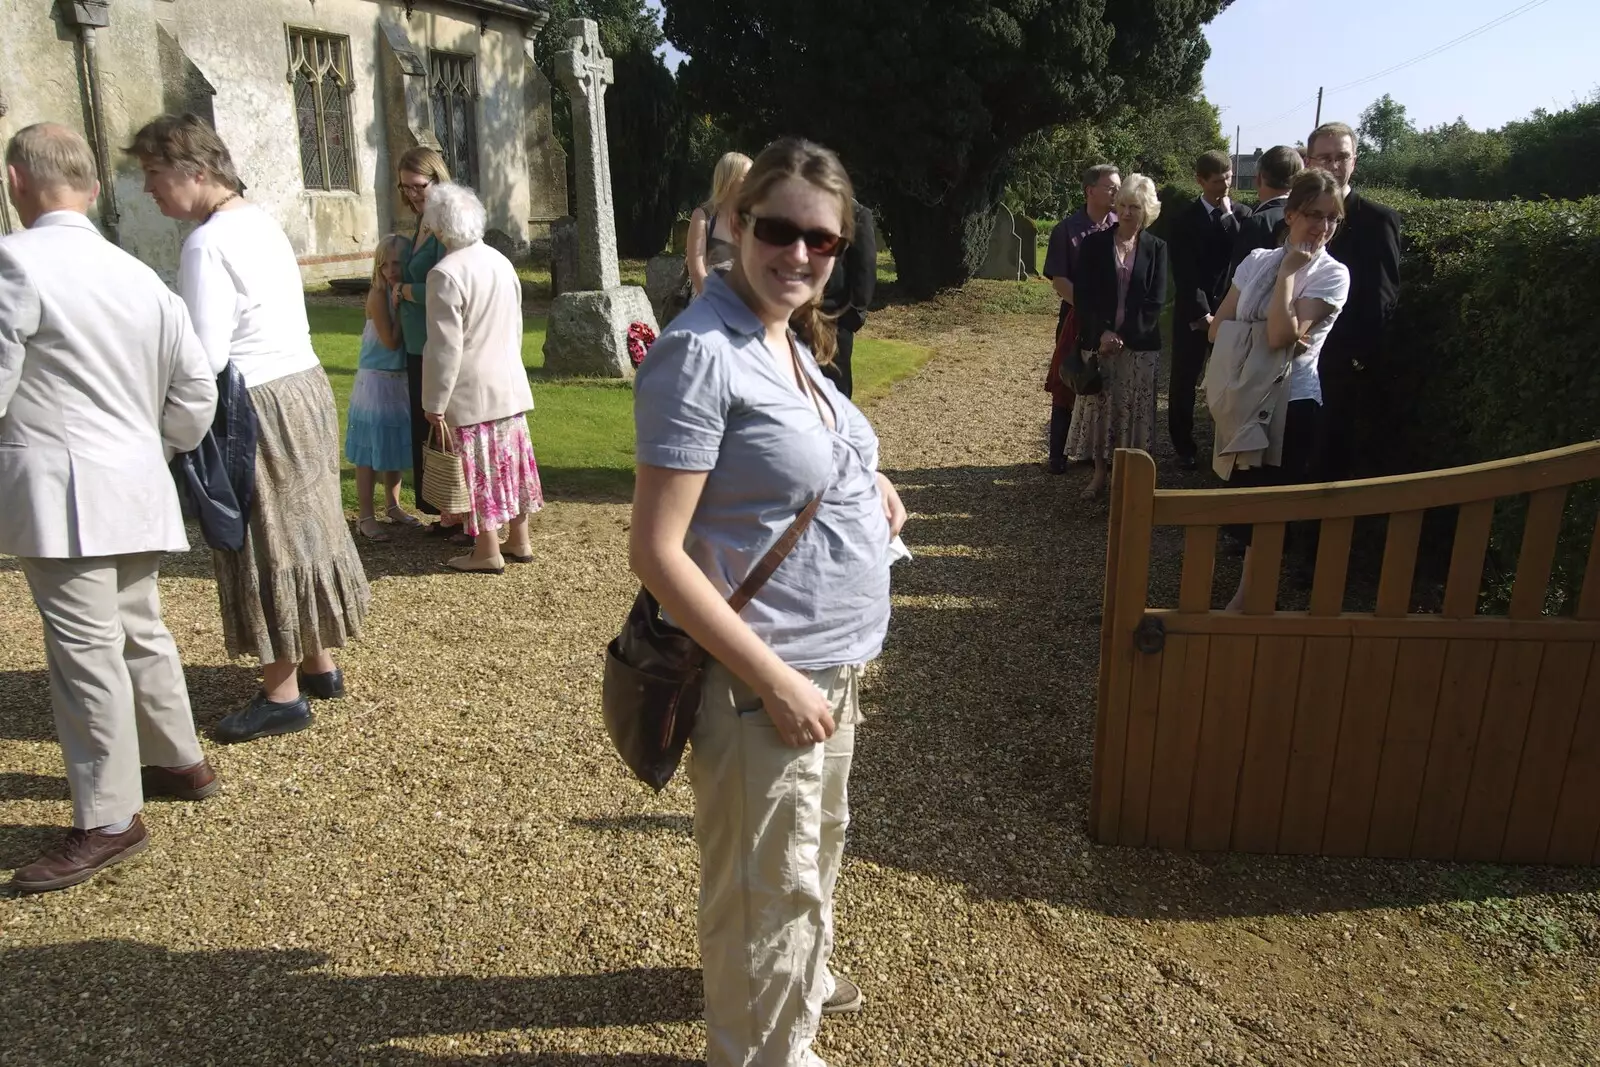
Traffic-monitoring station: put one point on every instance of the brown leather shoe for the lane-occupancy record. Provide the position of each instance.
(84, 854)
(183, 783)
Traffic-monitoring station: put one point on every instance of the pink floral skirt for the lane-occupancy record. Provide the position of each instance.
(501, 473)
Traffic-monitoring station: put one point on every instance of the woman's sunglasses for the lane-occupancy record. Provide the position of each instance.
(781, 233)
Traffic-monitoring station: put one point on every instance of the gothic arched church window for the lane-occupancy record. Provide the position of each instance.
(319, 72)
(453, 92)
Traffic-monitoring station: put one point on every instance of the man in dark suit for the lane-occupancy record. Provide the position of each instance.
(1202, 246)
(1355, 380)
(848, 294)
(1275, 170)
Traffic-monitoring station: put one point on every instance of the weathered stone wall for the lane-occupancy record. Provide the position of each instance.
(172, 54)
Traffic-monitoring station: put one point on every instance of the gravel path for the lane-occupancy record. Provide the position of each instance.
(450, 868)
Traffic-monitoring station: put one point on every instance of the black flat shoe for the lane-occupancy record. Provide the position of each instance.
(329, 686)
(1188, 463)
(439, 529)
(264, 718)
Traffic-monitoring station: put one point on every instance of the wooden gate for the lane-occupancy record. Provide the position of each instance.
(1449, 735)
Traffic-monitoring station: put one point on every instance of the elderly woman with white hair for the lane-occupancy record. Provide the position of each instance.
(473, 380)
(1119, 289)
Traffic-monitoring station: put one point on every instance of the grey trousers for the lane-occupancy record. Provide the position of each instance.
(770, 823)
(116, 683)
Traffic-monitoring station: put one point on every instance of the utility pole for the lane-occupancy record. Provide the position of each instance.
(1236, 157)
(1314, 125)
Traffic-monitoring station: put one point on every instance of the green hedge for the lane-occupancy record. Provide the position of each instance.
(1493, 349)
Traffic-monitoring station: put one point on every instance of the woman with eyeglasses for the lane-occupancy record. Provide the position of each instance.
(1297, 289)
(737, 431)
(419, 170)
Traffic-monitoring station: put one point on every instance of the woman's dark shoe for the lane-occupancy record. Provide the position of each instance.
(329, 686)
(439, 529)
(264, 718)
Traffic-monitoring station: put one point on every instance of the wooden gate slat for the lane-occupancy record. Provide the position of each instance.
(1134, 474)
(1183, 691)
(1273, 697)
(1494, 764)
(1576, 832)
(1221, 748)
(1463, 690)
(1538, 552)
(1399, 564)
(1143, 712)
(1318, 709)
(1589, 600)
(1418, 673)
(1199, 565)
(1333, 565)
(1264, 565)
(1355, 763)
(1473, 524)
(1562, 676)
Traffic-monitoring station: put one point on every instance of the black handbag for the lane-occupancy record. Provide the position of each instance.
(1082, 371)
(651, 691)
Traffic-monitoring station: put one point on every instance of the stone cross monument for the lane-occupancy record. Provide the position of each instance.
(588, 332)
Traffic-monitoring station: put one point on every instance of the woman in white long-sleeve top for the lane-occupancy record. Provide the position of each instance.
(296, 590)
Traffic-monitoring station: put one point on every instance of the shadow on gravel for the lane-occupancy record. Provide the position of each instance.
(22, 844)
(975, 761)
(18, 786)
(61, 1005)
(25, 701)
(672, 825)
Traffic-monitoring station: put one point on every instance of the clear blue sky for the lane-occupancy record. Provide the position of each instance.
(1268, 56)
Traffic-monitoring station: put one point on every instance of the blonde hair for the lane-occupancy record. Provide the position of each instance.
(424, 161)
(729, 169)
(188, 144)
(795, 157)
(1142, 190)
(380, 256)
(53, 156)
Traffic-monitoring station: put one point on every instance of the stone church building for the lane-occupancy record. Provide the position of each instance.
(315, 99)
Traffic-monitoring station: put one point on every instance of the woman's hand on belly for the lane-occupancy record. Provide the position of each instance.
(798, 709)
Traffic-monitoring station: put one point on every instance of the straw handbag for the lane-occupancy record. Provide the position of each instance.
(444, 478)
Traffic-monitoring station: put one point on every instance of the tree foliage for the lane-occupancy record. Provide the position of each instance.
(1548, 154)
(929, 101)
(1384, 124)
(1161, 142)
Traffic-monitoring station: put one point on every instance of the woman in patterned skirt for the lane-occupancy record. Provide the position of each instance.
(296, 590)
(1119, 289)
(474, 382)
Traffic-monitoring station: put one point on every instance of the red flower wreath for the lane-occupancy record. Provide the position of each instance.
(640, 338)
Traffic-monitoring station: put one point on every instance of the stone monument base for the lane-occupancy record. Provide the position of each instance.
(588, 332)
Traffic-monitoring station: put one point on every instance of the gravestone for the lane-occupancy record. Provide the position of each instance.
(1028, 242)
(588, 332)
(663, 276)
(1004, 261)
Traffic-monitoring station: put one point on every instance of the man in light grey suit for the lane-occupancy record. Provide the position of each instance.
(102, 381)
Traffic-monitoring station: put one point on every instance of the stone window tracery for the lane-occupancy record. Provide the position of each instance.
(319, 73)
(453, 91)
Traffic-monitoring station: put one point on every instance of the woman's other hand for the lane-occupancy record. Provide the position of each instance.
(434, 417)
(799, 710)
(893, 509)
(1295, 257)
(1110, 343)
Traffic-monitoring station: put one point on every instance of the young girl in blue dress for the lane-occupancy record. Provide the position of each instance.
(378, 429)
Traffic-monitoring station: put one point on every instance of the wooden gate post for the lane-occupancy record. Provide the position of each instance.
(1133, 487)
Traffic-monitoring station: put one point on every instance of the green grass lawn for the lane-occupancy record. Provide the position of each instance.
(582, 429)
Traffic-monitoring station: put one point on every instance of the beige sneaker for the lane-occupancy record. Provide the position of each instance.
(846, 997)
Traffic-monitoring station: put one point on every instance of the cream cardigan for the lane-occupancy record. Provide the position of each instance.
(472, 363)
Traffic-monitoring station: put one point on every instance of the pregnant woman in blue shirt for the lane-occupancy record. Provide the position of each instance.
(737, 431)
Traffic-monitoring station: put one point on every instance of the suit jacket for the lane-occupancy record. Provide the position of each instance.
(848, 293)
(1201, 254)
(1368, 242)
(102, 382)
(1095, 291)
(472, 364)
(1262, 229)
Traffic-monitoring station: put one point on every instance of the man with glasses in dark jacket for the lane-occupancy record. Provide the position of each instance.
(848, 294)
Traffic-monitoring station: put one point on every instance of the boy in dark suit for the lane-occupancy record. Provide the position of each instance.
(1354, 379)
(1202, 248)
